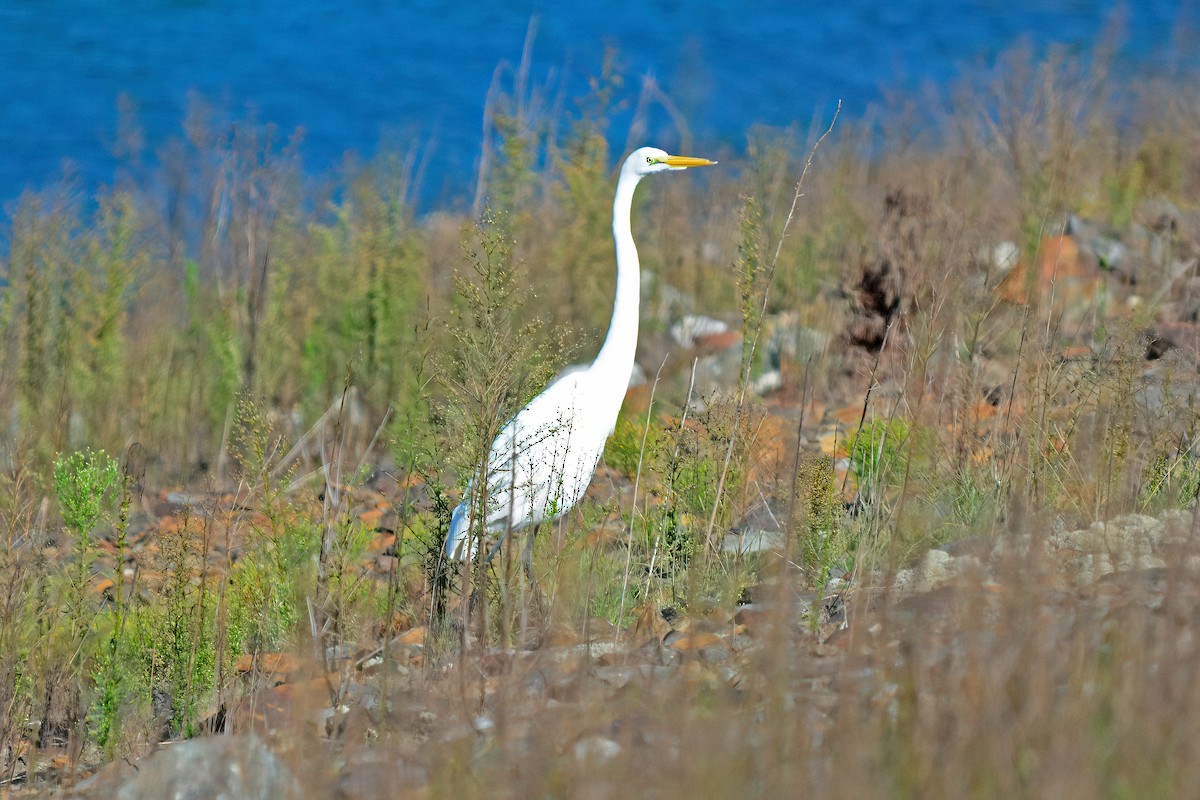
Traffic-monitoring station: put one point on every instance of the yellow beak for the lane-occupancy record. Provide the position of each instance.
(687, 161)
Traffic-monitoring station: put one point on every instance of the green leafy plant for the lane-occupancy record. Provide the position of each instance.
(881, 451)
(83, 483)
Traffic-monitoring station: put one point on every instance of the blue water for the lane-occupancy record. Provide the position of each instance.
(415, 74)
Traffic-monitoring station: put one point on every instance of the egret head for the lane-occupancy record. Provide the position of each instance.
(646, 160)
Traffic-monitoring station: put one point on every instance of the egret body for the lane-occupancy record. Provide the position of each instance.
(543, 460)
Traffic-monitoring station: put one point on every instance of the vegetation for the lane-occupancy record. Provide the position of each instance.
(239, 409)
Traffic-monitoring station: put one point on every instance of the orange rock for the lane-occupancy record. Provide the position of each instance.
(381, 541)
(717, 342)
(650, 625)
(416, 636)
(983, 410)
(603, 537)
(847, 416)
(1062, 272)
(696, 642)
(637, 400)
(981, 455)
(277, 665)
(370, 519)
(169, 524)
(410, 481)
(285, 708)
(829, 440)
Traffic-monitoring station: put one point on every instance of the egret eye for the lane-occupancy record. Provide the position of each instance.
(649, 159)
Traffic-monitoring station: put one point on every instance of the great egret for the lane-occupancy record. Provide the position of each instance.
(542, 461)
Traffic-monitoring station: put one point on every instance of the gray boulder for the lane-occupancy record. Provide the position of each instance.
(209, 768)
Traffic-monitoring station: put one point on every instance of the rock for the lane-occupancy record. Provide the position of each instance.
(1002, 256)
(637, 377)
(770, 381)
(1125, 534)
(1061, 271)
(214, 767)
(620, 676)
(1159, 214)
(1126, 543)
(596, 749)
(936, 569)
(707, 646)
(373, 772)
(1109, 252)
(693, 328)
(717, 368)
(760, 530)
(1169, 388)
(787, 340)
(1182, 335)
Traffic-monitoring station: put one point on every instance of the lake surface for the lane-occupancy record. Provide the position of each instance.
(417, 73)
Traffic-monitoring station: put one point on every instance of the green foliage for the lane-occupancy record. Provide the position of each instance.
(265, 586)
(84, 482)
(751, 275)
(827, 540)
(582, 251)
(623, 450)
(1171, 480)
(173, 640)
(883, 451)
(349, 596)
(688, 462)
(972, 497)
(349, 300)
(1126, 188)
(262, 604)
(24, 657)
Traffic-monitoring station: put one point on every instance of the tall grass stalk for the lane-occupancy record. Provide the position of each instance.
(748, 358)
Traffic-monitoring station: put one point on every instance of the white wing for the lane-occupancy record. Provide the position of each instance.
(543, 460)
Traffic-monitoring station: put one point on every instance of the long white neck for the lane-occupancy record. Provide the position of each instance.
(615, 361)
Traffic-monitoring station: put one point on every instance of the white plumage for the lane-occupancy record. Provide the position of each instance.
(544, 458)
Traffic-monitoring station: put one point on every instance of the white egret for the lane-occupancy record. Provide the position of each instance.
(543, 460)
